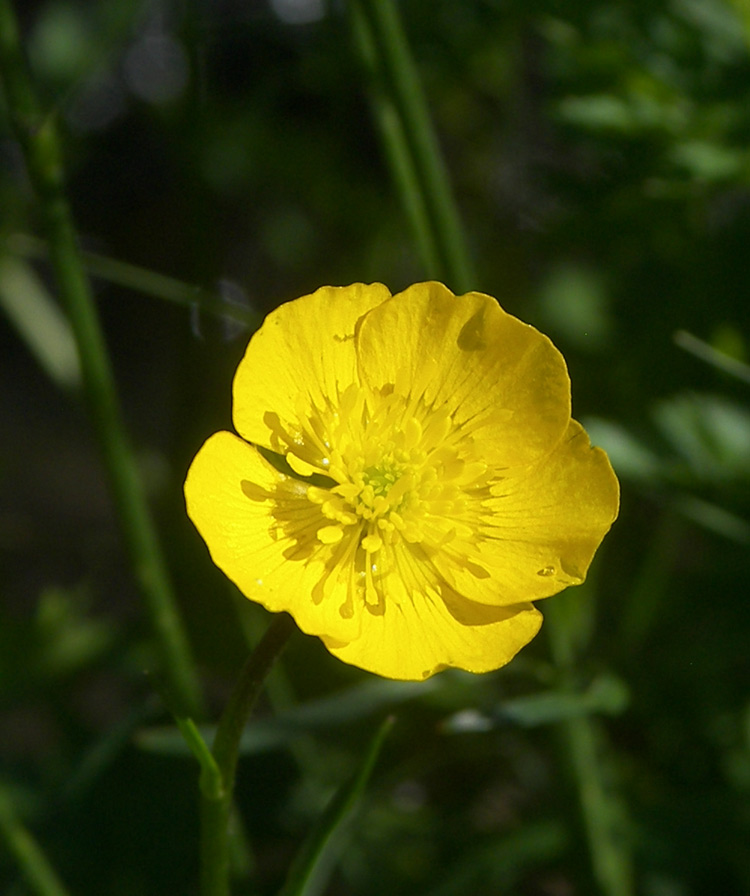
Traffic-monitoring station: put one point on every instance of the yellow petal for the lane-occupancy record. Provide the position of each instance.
(419, 630)
(539, 531)
(502, 381)
(262, 532)
(302, 356)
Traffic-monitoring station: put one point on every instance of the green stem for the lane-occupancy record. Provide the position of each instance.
(138, 279)
(396, 145)
(38, 137)
(35, 866)
(411, 145)
(601, 809)
(216, 802)
(604, 816)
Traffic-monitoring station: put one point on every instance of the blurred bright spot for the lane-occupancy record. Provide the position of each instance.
(727, 339)
(722, 30)
(573, 303)
(289, 237)
(625, 115)
(69, 638)
(467, 720)
(409, 796)
(726, 351)
(156, 67)
(298, 12)
(715, 518)
(234, 297)
(705, 160)
(60, 44)
(97, 104)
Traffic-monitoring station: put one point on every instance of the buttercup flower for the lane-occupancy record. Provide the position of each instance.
(406, 480)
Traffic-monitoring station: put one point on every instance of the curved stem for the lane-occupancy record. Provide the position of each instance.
(216, 803)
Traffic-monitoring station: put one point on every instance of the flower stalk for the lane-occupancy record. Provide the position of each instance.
(37, 134)
(217, 793)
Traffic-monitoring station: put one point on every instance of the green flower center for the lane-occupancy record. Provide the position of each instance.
(381, 477)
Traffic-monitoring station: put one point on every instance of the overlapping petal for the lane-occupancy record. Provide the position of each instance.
(303, 356)
(504, 383)
(261, 531)
(425, 627)
(538, 529)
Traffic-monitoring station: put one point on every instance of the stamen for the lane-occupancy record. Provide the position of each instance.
(401, 473)
(330, 534)
(372, 543)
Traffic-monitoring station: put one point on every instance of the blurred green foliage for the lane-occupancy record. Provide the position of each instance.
(600, 156)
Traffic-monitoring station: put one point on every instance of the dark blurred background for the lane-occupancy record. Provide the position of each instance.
(599, 156)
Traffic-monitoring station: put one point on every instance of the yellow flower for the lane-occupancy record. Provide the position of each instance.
(407, 478)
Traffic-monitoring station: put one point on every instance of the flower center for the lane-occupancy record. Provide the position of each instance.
(398, 470)
(379, 478)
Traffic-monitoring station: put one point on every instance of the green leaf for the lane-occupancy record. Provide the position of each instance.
(39, 322)
(630, 457)
(714, 518)
(709, 432)
(718, 355)
(341, 708)
(38, 871)
(607, 694)
(211, 782)
(316, 859)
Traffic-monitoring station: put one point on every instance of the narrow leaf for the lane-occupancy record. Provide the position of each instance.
(341, 708)
(211, 782)
(316, 859)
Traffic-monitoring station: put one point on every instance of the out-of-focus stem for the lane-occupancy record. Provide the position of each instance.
(396, 145)
(139, 279)
(37, 135)
(36, 868)
(602, 811)
(411, 145)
